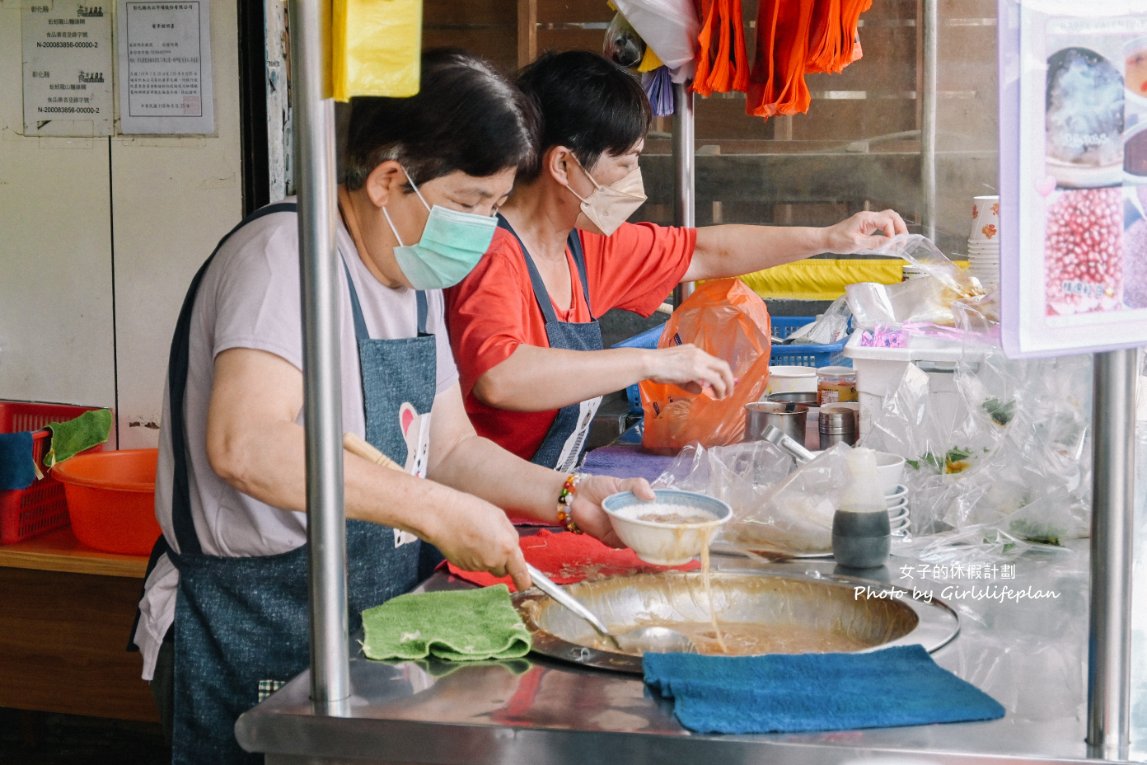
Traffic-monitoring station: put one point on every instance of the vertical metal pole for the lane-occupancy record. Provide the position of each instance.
(315, 168)
(928, 98)
(684, 165)
(1112, 539)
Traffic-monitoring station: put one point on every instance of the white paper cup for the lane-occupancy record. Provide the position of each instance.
(985, 219)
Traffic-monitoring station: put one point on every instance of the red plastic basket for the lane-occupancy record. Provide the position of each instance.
(41, 507)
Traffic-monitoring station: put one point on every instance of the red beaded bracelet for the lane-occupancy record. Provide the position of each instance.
(565, 503)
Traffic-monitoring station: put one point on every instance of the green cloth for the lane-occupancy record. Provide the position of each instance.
(456, 625)
(73, 436)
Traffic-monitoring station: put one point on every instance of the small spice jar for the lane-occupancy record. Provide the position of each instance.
(835, 384)
(837, 424)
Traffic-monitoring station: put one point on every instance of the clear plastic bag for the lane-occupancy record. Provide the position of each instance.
(934, 297)
(1007, 448)
(623, 45)
(779, 508)
(670, 27)
(829, 327)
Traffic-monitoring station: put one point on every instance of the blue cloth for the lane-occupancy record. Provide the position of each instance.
(814, 692)
(623, 461)
(17, 470)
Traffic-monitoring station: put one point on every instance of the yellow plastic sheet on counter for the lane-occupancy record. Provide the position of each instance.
(820, 278)
(375, 48)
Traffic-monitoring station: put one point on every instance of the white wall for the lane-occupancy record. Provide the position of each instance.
(98, 241)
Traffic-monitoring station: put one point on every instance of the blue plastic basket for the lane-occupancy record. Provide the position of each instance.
(807, 355)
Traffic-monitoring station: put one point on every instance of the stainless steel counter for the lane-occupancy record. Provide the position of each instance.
(1023, 640)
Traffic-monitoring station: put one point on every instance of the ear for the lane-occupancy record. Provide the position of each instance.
(559, 163)
(384, 181)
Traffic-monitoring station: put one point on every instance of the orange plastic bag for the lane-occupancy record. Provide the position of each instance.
(727, 319)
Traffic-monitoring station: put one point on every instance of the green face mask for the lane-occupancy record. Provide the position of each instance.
(452, 243)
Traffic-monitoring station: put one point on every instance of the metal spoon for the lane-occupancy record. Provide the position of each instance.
(775, 435)
(641, 640)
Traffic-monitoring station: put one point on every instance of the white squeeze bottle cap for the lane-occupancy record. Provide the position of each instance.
(860, 528)
(862, 492)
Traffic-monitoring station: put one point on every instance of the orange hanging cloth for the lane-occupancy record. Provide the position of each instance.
(776, 81)
(705, 48)
(722, 61)
(834, 40)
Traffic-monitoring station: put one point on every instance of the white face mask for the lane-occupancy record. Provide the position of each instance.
(609, 206)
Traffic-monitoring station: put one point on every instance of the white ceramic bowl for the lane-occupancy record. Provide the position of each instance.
(900, 491)
(889, 471)
(670, 530)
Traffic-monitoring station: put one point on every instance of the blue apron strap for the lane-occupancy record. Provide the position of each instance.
(423, 310)
(574, 243)
(541, 294)
(360, 330)
(177, 364)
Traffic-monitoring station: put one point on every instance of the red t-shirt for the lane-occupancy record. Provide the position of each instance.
(493, 310)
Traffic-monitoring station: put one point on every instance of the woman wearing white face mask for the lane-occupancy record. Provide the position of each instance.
(523, 323)
(226, 601)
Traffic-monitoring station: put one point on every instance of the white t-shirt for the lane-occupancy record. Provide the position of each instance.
(250, 298)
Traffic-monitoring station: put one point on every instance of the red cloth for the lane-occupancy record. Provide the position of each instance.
(567, 558)
(493, 310)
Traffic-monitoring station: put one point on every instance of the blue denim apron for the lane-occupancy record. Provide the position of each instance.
(243, 624)
(564, 443)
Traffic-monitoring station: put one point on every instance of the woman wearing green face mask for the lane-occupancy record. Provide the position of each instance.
(226, 601)
(523, 323)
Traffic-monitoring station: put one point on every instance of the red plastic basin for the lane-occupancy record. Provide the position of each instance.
(111, 499)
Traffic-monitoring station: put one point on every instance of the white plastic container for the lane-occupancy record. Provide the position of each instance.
(791, 379)
(879, 370)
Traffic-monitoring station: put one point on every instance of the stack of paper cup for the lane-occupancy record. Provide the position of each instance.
(984, 242)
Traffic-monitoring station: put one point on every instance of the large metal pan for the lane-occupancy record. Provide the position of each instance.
(780, 613)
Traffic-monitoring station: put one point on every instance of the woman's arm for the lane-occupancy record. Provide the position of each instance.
(255, 444)
(732, 250)
(460, 458)
(535, 379)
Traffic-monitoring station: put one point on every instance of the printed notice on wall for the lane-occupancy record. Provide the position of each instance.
(67, 57)
(165, 82)
(1073, 175)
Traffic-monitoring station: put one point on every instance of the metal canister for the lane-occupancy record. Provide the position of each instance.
(794, 397)
(837, 424)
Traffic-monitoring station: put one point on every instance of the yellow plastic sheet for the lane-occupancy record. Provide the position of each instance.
(821, 279)
(375, 48)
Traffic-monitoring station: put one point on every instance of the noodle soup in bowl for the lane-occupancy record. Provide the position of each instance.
(673, 528)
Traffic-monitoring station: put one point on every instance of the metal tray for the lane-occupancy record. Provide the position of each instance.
(864, 613)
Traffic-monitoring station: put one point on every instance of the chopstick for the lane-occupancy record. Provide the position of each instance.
(360, 447)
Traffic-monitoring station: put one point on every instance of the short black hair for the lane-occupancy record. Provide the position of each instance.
(587, 103)
(466, 117)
